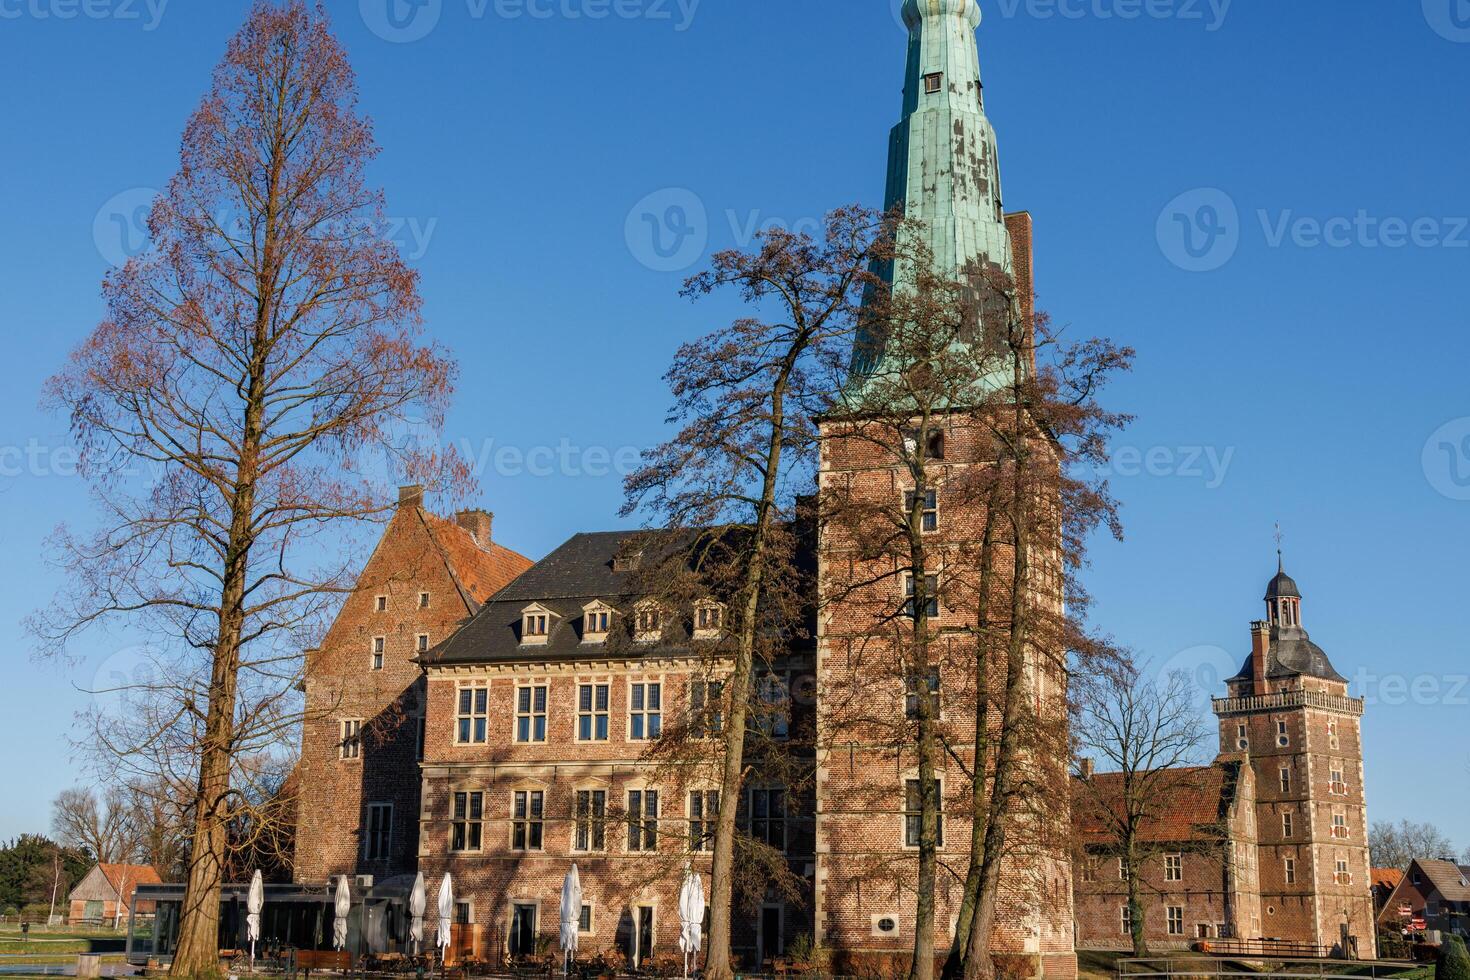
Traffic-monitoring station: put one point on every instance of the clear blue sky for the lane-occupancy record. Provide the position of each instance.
(1267, 199)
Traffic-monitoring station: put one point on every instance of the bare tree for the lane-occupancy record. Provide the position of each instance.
(98, 823)
(266, 339)
(1394, 845)
(1147, 733)
(745, 398)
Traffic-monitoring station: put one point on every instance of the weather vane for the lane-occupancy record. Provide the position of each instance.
(1280, 561)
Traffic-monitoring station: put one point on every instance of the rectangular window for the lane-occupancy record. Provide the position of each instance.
(472, 718)
(531, 713)
(1288, 827)
(1283, 737)
(467, 825)
(527, 824)
(1122, 869)
(381, 603)
(1291, 871)
(1344, 876)
(917, 684)
(351, 741)
(768, 817)
(591, 820)
(1339, 826)
(773, 720)
(1127, 920)
(929, 513)
(379, 831)
(643, 820)
(537, 624)
(1339, 785)
(645, 712)
(706, 708)
(1286, 780)
(423, 600)
(380, 646)
(423, 644)
(1242, 740)
(933, 82)
(931, 596)
(584, 922)
(592, 713)
(708, 618)
(596, 622)
(1176, 920)
(1173, 867)
(913, 815)
(704, 814)
(1089, 870)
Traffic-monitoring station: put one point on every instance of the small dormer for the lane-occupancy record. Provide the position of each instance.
(709, 620)
(648, 624)
(597, 619)
(536, 624)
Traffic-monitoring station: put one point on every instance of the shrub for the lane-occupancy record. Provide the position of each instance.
(1454, 960)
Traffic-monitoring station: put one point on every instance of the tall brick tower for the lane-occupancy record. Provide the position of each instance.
(1289, 709)
(943, 168)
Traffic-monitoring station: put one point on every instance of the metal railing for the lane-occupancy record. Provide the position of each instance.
(1259, 966)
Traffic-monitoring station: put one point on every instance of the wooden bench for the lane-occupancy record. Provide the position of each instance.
(322, 959)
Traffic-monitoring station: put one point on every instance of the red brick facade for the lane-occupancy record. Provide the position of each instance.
(359, 791)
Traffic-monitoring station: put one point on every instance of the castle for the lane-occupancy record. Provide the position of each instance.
(475, 713)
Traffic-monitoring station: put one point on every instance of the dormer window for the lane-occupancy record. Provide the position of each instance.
(650, 623)
(536, 623)
(596, 622)
(709, 620)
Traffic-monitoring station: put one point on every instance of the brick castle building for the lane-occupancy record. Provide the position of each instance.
(1271, 842)
(480, 715)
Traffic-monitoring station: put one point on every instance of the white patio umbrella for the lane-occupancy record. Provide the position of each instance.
(342, 905)
(446, 912)
(254, 902)
(691, 917)
(418, 901)
(571, 917)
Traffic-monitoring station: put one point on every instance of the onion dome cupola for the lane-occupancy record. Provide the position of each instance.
(1287, 649)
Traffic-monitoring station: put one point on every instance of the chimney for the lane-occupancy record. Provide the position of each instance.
(478, 523)
(410, 496)
(1086, 768)
(1260, 645)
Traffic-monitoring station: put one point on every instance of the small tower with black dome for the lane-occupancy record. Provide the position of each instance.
(1288, 712)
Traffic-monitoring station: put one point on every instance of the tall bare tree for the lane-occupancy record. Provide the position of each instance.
(988, 418)
(99, 823)
(1394, 845)
(745, 398)
(222, 408)
(1147, 733)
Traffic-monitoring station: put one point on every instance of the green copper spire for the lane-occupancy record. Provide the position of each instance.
(942, 161)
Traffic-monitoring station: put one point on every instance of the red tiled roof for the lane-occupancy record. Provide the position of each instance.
(1192, 802)
(1387, 878)
(129, 876)
(480, 572)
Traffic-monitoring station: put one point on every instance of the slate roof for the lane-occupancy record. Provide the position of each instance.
(1292, 654)
(1199, 798)
(581, 570)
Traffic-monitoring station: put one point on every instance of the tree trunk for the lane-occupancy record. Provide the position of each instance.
(739, 690)
(1135, 903)
(929, 804)
(979, 799)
